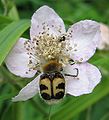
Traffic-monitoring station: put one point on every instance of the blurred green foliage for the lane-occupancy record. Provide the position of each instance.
(94, 106)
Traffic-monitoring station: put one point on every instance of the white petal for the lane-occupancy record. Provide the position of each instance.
(89, 76)
(46, 15)
(28, 91)
(17, 60)
(84, 38)
(104, 42)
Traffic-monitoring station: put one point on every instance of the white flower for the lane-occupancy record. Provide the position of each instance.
(47, 28)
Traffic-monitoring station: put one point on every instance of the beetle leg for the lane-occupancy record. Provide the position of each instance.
(73, 75)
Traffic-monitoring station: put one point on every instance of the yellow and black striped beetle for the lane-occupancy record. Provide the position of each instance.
(52, 82)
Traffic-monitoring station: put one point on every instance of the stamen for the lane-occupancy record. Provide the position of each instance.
(46, 46)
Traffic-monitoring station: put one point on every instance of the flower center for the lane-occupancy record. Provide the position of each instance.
(44, 47)
(48, 46)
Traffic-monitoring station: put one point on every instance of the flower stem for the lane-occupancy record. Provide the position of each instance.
(49, 114)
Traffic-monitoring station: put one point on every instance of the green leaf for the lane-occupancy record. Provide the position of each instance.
(4, 21)
(6, 97)
(13, 13)
(9, 35)
(100, 110)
